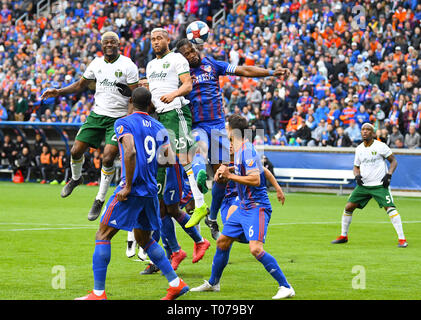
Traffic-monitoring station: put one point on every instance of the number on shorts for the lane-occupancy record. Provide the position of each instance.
(172, 192)
(388, 199)
(150, 151)
(251, 231)
(114, 138)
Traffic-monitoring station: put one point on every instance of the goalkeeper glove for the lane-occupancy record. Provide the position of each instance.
(359, 180)
(386, 180)
(124, 89)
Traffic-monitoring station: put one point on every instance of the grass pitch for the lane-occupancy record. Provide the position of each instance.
(47, 245)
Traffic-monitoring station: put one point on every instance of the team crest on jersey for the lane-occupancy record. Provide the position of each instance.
(373, 153)
(120, 129)
(166, 65)
(206, 68)
(250, 162)
(118, 73)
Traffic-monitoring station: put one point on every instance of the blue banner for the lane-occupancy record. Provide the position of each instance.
(406, 177)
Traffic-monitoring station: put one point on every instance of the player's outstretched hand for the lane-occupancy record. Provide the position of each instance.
(280, 195)
(124, 89)
(50, 93)
(359, 180)
(122, 194)
(282, 72)
(386, 180)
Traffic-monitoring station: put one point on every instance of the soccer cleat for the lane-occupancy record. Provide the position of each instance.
(213, 226)
(174, 292)
(43, 182)
(68, 188)
(150, 269)
(198, 214)
(283, 293)
(340, 239)
(54, 182)
(402, 243)
(177, 258)
(207, 287)
(63, 183)
(141, 254)
(93, 296)
(95, 210)
(199, 250)
(201, 179)
(131, 249)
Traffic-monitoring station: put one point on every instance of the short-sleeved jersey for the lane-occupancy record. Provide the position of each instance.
(149, 136)
(108, 101)
(206, 98)
(163, 78)
(372, 162)
(246, 161)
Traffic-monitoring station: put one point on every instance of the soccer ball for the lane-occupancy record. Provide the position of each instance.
(197, 32)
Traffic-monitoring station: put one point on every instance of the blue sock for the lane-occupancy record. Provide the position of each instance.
(157, 255)
(156, 235)
(192, 232)
(272, 266)
(100, 260)
(220, 260)
(168, 234)
(218, 193)
(167, 249)
(198, 164)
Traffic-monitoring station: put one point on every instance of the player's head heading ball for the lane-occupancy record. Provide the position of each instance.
(141, 99)
(187, 49)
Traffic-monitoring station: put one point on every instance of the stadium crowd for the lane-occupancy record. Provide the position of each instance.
(346, 68)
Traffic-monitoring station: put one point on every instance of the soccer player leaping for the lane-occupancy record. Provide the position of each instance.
(373, 180)
(209, 120)
(134, 204)
(110, 104)
(250, 220)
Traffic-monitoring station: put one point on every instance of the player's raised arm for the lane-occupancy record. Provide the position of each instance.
(130, 165)
(251, 179)
(279, 193)
(76, 87)
(252, 71)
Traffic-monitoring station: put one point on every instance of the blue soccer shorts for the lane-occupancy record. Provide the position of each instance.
(134, 213)
(250, 224)
(174, 184)
(213, 135)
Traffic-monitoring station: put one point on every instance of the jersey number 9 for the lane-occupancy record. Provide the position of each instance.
(150, 151)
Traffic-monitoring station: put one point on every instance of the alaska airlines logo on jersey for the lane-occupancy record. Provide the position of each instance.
(107, 83)
(120, 129)
(118, 73)
(157, 76)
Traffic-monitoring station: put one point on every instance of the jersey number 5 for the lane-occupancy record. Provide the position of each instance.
(150, 150)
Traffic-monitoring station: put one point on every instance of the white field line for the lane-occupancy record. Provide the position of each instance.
(72, 227)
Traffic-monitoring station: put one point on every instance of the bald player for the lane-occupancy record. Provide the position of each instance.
(373, 179)
(108, 72)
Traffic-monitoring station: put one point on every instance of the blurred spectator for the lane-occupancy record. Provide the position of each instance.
(394, 136)
(354, 133)
(8, 151)
(412, 138)
(342, 139)
(45, 164)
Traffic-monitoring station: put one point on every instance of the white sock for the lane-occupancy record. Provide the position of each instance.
(98, 292)
(346, 221)
(396, 220)
(175, 282)
(106, 177)
(199, 199)
(130, 236)
(76, 166)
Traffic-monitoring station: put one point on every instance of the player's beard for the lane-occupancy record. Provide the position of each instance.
(112, 56)
(161, 51)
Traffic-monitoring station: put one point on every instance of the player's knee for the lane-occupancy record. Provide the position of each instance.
(76, 152)
(223, 243)
(108, 160)
(255, 249)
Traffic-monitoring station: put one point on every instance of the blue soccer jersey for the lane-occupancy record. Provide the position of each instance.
(247, 160)
(206, 98)
(149, 136)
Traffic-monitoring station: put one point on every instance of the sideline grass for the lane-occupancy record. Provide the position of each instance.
(39, 231)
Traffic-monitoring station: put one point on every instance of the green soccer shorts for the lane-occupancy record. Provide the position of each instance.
(362, 195)
(178, 123)
(96, 128)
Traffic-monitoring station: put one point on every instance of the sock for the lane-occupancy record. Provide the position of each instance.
(346, 221)
(192, 232)
(157, 256)
(156, 235)
(76, 166)
(100, 260)
(271, 266)
(106, 177)
(198, 164)
(395, 218)
(166, 247)
(220, 260)
(175, 282)
(218, 193)
(168, 234)
(199, 199)
(130, 236)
